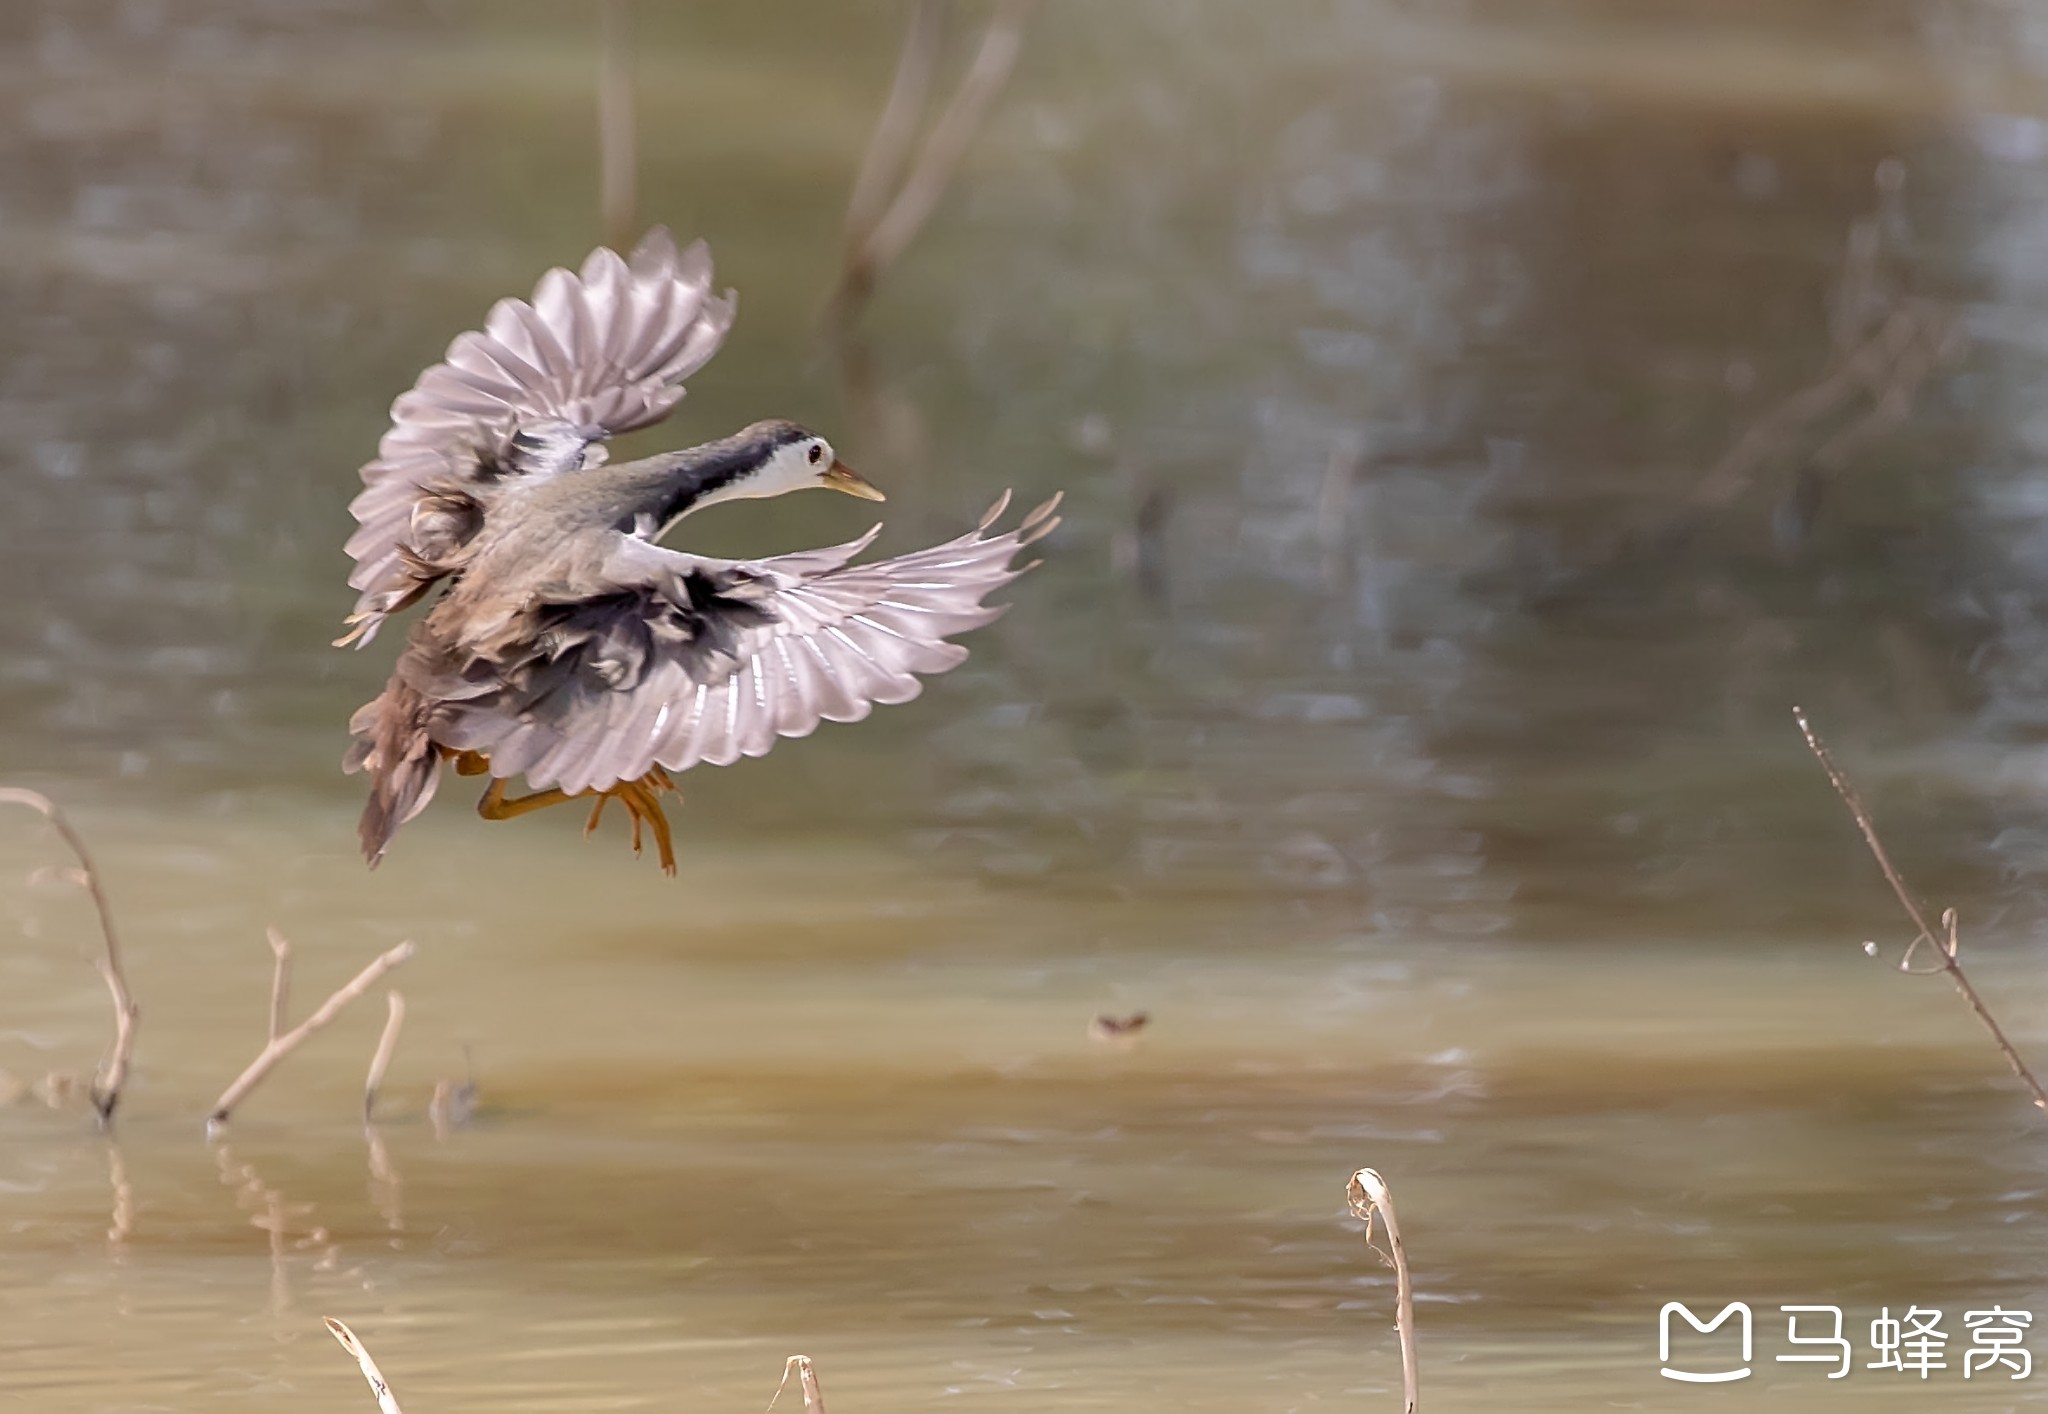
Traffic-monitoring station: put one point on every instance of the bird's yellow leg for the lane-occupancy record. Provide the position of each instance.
(642, 799)
(648, 799)
(628, 793)
(651, 785)
(643, 806)
(494, 806)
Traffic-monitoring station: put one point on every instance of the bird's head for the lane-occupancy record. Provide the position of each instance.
(781, 456)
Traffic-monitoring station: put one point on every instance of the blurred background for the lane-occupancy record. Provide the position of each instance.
(1479, 423)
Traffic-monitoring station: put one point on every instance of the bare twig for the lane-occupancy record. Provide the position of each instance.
(617, 163)
(386, 1044)
(280, 979)
(881, 166)
(1945, 942)
(113, 1074)
(799, 1366)
(871, 250)
(281, 1046)
(807, 1381)
(1889, 366)
(1370, 1197)
(379, 1386)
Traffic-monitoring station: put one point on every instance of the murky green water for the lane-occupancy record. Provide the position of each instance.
(1480, 424)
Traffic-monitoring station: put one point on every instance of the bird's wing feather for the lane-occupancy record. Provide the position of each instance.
(699, 661)
(601, 351)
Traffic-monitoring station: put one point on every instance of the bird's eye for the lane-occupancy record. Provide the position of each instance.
(817, 454)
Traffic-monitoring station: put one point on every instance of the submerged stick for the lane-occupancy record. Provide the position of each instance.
(281, 1046)
(379, 1386)
(1945, 943)
(113, 1074)
(386, 1044)
(807, 1381)
(1370, 1197)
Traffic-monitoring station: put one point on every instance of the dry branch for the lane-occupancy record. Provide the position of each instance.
(797, 1365)
(1888, 368)
(1945, 943)
(279, 1047)
(881, 167)
(379, 1386)
(618, 166)
(107, 1083)
(280, 979)
(386, 1044)
(807, 1381)
(1370, 1197)
(874, 243)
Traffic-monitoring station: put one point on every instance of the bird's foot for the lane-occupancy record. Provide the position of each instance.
(642, 799)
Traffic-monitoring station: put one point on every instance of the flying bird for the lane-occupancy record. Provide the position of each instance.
(565, 644)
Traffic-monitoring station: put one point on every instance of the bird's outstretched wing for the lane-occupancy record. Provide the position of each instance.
(705, 661)
(531, 394)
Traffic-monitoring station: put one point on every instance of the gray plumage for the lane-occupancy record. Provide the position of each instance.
(568, 647)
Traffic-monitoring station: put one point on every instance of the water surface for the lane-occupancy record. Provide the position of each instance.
(1479, 424)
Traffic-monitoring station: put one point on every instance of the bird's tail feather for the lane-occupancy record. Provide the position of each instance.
(393, 745)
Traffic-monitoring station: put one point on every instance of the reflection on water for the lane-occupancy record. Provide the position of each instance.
(1480, 424)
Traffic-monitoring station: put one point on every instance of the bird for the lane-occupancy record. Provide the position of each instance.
(564, 644)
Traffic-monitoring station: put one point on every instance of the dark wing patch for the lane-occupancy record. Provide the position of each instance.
(532, 394)
(704, 661)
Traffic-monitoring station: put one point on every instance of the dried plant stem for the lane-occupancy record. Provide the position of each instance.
(379, 1386)
(1945, 942)
(280, 979)
(386, 1044)
(617, 163)
(874, 246)
(1888, 366)
(1370, 1197)
(106, 1087)
(807, 1381)
(881, 166)
(279, 1047)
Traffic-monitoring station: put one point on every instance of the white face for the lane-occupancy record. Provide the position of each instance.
(798, 466)
(795, 467)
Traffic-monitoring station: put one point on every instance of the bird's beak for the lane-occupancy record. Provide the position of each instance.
(841, 477)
